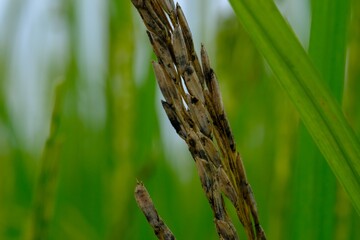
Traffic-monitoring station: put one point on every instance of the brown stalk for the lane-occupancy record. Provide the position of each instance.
(146, 205)
(194, 107)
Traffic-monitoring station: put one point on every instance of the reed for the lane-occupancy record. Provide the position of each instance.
(194, 107)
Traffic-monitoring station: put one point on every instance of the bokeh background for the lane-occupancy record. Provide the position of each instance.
(111, 130)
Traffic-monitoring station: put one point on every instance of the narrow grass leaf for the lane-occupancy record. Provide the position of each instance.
(295, 72)
(44, 197)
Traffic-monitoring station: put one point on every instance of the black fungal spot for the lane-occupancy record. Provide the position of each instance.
(157, 231)
(194, 100)
(209, 74)
(218, 214)
(233, 147)
(222, 116)
(188, 69)
(148, 218)
(202, 154)
(150, 37)
(192, 142)
(191, 124)
(182, 60)
(175, 123)
(211, 200)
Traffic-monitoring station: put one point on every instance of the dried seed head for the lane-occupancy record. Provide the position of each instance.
(219, 205)
(226, 187)
(152, 23)
(180, 52)
(205, 64)
(158, 27)
(192, 142)
(195, 146)
(205, 175)
(185, 29)
(214, 89)
(195, 109)
(138, 3)
(240, 167)
(189, 44)
(146, 205)
(174, 120)
(226, 230)
(211, 151)
(163, 82)
(227, 131)
(168, 6)
(200, 115)
(159, 11)
(193, 84)
(162, 52)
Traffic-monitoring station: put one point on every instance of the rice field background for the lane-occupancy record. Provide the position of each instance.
(81, 122)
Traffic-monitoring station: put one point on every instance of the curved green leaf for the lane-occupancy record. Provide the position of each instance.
(295, 72)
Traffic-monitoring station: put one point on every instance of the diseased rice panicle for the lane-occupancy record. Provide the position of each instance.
(194, 106)
(146, 205)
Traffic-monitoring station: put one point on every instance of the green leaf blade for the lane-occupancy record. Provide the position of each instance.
(295, 72)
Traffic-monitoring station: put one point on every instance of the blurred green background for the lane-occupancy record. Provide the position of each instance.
(70, 155)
